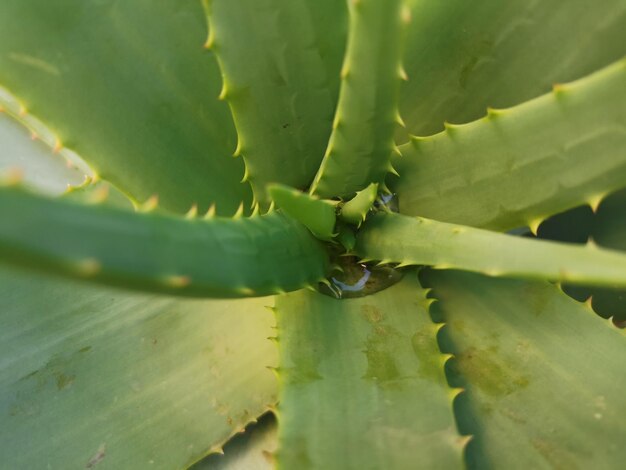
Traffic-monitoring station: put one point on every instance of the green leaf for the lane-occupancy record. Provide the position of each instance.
(128, 86)
(218, 257)
(465, 56)
(42, 169)
(609, 223)
(280, 62)
(97, 192)
(362, 383)
(607, 228)
(346, 237)
(92, 376)
(355, 210)
(544, 374)
(415, 241)
(361, 144)
(518, 166)
(318, 215)
(251, 450)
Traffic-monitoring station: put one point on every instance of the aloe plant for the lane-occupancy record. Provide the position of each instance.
(358, 269)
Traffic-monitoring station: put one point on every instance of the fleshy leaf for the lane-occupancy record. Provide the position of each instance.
(361, 143)
(544, 375)
(22, 149)
(251, 450)
(127, 86)
(518, 166)
(97, 192)
(94, 377)
(317, 215)
(215, 257)
(280, 63)
(418, 241)
(606, 228)
(362, 383)
(465, 56)
(355, 210)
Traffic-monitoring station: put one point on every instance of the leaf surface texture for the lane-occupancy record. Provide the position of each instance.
(96, 376)
(544, 374)
(280, 64)
(128, 86)
(215, 257)
(462, 57)
(362, 383)
(517, 166)
(415, 241)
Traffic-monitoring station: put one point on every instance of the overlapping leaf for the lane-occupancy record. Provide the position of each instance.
(100, 377)
(280, 63)
(128, 86)
(544, 374)
(518, 166)
(362, 383)
(216, 257)
(463, 57)
(606, 228)
(392, 238)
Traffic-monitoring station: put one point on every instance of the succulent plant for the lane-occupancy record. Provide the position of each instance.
(362, 270)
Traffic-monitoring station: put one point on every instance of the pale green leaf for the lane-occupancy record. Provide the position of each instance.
(97, 192)
(362, 383)
(360, 146)
(280, 61)
(544, 375)
(417, 241)
(518, 166)
(607, 228)
(41, 168)
(92, 376)
(129, 87)
(463, 56)
(355, 210)
(251, 450)
(159, 252)
(318, 215)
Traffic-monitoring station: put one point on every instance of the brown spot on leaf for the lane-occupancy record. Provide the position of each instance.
(380, 350)
(555, 454)
(371, 314)
(64, 380)
(98, 457)
(427, 353)
(483, 368)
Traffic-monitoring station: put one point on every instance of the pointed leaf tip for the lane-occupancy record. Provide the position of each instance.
(317, 215)
(149, 205)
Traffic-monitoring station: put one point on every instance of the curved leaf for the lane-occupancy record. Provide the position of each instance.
(318, 215)
(355, 210)
(362, 383)
(97, 192)
(518, 166)
(95, 377)
(42, 169)
(252, 450)
(607, 228)
(280, 62)
(128, 86)
(465, 56)
(414, 241)
(544, 375)
(361, 143)
(218, 257)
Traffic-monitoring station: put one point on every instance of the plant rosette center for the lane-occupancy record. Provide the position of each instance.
(336, 223)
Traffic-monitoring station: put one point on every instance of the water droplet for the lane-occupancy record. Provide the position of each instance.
(359, 279)
(387, 202)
